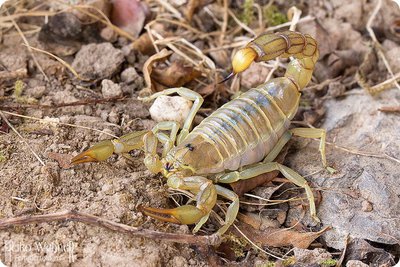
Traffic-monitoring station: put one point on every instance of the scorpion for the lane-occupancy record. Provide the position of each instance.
(238, 141)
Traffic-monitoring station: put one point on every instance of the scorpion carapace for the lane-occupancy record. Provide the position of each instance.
(238, 141)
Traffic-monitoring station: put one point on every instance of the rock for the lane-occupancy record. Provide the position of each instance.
(36, 92)
(361, 250)
(351, 12)
(307, 256)
(354, 263)
(66, 97)
(393, 58)
(13, 64)
(370, 172)
(129, 53)
(97, 61)
(170, 108)
(110, 89)
(344, 35)
(131, 81)
(179, 261)
(109, 35)
(366, 206)
(113, 117)
(128, 75)
(62, 35)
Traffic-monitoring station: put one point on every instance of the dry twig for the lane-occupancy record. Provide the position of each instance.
(76, 216)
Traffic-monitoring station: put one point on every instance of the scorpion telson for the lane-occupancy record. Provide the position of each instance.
(241, 61)
(239, 141)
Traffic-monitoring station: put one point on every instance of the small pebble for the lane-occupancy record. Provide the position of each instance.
(113, 117)
(104, 115)
(109, 35)
(356, 263)
(129, 54)
(170, 108)
(36, 92)
(129, 75)
(110, 89)
(366, 206)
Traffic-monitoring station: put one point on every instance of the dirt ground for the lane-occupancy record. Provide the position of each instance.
(53, 108)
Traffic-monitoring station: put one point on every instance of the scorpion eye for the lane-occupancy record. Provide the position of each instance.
(168, 166)
(190, 147)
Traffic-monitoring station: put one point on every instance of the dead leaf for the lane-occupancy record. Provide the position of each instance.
(279, 237)
(148, 69)
(144, 45)
(175, 75)
(258, 222)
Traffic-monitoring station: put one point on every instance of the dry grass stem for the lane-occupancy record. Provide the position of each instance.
(22, 138)
(30, 50)
(63, 62)
(47, 121)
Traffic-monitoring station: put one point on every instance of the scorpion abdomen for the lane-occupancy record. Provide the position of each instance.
(245, 129)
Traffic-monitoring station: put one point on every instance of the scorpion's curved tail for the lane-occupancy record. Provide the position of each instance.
(268, 46)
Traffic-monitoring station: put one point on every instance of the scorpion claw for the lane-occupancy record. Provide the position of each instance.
(156, 214)
(186, 214)
(98, 152)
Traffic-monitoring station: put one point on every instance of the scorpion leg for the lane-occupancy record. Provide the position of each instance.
(278, 147)
(302, 132)
(313, 133)
(151, 159)
(187, 94)
(233, 208)
(104, 149)
(260, 168)
(188, 214)
(168, 141)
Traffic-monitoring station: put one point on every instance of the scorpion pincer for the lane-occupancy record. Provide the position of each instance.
(238, 141)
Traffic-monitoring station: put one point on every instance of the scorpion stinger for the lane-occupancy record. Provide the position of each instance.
(241, 61)
(230, 75)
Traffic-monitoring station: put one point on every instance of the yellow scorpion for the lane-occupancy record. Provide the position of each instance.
(238, 141)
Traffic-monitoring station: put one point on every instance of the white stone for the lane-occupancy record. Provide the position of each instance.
(170, 108)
